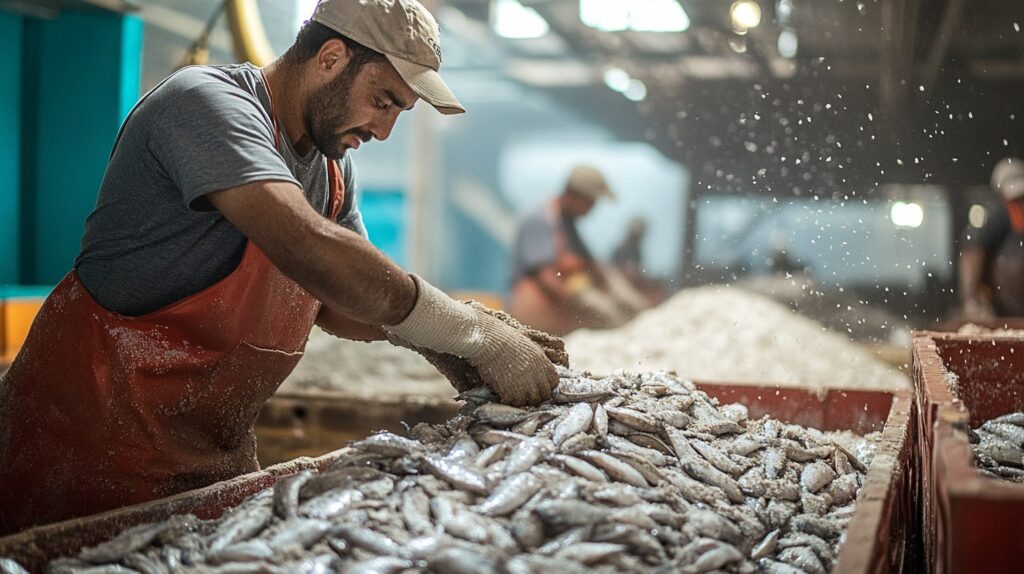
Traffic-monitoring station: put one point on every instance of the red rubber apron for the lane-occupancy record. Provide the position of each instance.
(531, 304)
(100, 410)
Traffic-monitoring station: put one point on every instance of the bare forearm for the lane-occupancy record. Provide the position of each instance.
(345, 327)
(972, 268)
(337, 266)
(553, 284)
(348, 274)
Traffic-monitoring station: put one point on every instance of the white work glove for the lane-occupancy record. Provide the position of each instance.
(508, 361)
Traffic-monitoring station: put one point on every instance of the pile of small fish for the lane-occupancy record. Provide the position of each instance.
(999, 447)
(634, 472)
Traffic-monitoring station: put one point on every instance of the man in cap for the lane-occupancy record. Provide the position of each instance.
(557, 286)
(991, 264)
(226, 226)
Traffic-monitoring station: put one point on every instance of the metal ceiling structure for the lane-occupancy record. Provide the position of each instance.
(879, 90)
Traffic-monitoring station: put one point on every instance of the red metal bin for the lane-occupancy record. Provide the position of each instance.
(877, 539)
(970, 523)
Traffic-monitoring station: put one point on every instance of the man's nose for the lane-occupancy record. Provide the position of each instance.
(382, 126)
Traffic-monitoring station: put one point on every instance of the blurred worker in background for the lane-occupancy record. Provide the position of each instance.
(557, 286)
(991, 263)
(226, 226)
(628, 256)
(628, 260)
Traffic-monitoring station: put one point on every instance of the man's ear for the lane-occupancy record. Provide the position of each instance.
(332, 58)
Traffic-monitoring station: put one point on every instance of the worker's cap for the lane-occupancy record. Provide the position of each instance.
(1008, 178)
(405, 33)
(588, 182)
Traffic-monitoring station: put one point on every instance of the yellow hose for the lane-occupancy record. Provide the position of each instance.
(247, 33)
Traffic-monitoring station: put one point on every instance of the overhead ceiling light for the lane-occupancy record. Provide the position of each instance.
(738, 44)
(635, 15)
(636, 91)
(788, 43)
(658, 16)
(745, 14)
(784, 11)
(904, 214)
(977, 215)
(617, 79)
(510, 19)
(605, 15)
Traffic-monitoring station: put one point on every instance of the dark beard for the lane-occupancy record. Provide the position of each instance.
(327, 109)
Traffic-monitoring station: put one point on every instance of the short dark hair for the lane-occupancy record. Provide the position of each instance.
(312, 36)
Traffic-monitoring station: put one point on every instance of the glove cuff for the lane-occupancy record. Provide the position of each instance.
(439, 322)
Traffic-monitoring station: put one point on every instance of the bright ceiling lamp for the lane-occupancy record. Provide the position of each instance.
(977, 215)
(617, 79)
(658, 16)
(903, 214)
(745, 14)
(636, 91)
(510, 19)
(605, 15)
(636, 15)
(788, 43)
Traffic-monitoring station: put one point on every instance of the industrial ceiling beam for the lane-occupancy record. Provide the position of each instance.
(899, 24)
(940, 45)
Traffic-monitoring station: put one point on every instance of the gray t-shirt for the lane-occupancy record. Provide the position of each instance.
(534, 246)
(153, 237)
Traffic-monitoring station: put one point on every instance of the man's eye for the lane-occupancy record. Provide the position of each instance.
(382, 105)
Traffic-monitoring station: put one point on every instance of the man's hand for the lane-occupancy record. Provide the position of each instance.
(505, 359)
(464, 376)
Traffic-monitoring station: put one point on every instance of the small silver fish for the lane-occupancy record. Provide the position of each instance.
(124, 544)
(457, 475)
(575, 421)
(816, 475)
(510, 495)
(375, 542)
(766, 547)
(500, 415)
(456, 560)
(600, 422)
(286, 494)
(616, 469)
(804, 558)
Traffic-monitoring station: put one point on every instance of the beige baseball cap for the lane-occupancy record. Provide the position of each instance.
(586, 181)
(1008, 178)
(405, 33)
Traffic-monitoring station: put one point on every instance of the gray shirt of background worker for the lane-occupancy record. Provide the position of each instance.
(153, 237)
(535, 243)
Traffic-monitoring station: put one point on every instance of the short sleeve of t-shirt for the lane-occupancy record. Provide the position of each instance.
(535, 244)
(212, 136)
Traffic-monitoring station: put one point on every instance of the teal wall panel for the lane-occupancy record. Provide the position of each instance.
(384, 214)
(11, 26)
(81, 77)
